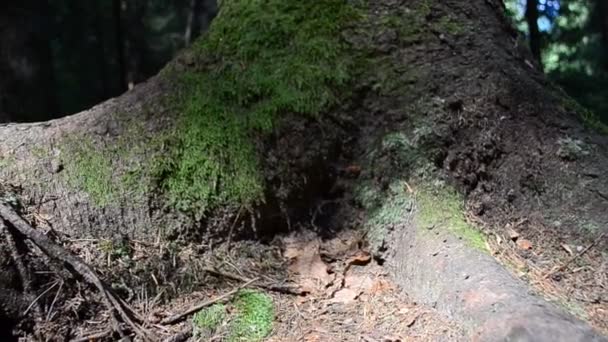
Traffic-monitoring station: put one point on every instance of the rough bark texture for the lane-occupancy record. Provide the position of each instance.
(443, 97)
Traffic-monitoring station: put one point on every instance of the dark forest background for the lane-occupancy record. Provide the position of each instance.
(59, 57)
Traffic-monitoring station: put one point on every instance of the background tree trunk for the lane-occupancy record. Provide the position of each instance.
(26, 60)
(532, 20)
(118, 9)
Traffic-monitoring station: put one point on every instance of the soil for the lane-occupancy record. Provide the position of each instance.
(337, 291)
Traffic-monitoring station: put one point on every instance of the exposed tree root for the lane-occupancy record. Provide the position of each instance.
(119, 309)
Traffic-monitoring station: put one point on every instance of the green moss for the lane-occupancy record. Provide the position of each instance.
(449, 25)
(254, 316)
(39, 151)
(261, 59)
(589, 118)
(108, 172)
(88, 169)
(394, 209)
(7, 161)
(410, 22)
(441, 207)
(206, 321)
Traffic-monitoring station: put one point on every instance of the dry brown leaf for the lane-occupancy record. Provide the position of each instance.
(344, 296)
(306, 262)
(524, 244)
(360, 258)
(513, 235)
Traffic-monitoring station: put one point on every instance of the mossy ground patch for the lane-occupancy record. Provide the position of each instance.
(249, 317)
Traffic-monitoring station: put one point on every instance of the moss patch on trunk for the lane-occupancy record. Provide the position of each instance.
(259, 59)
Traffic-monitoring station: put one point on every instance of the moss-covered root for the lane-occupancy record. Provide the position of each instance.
(443, 207)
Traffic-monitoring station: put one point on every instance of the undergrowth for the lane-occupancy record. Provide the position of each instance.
(261, 59)
(249, 318)
(254, 316)
(206, 321)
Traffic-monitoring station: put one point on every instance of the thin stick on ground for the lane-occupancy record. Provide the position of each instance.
(293, 290)
(572, 259)
(94, 337)
(117, 308)
(26, 280)
(181, 316)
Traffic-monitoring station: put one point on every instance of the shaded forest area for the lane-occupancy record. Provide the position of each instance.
(569, 41)
(60, 57)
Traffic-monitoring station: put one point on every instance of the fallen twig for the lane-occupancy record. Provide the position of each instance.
(55, 251)
(270, 287)
(572, 259)
(26, 280)
(179, 317)
(94, 337)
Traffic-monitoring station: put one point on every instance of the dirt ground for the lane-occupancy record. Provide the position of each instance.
(322, 290)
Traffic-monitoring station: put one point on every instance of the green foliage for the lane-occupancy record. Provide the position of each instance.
(574, 55)
(261, 59)
(254, 317)
(442, 207)
(206, 321)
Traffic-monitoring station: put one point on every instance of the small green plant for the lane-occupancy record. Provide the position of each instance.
(206, 321)
(254, 317)
(116, 249)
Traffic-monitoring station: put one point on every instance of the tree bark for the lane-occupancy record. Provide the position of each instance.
(448, 79)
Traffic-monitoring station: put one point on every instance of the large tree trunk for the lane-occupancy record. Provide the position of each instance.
(438, 94)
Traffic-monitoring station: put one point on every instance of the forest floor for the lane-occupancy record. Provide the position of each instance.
(568, 270)
(302, 288)
(315, 289)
